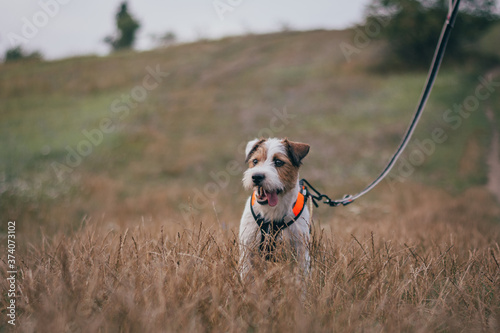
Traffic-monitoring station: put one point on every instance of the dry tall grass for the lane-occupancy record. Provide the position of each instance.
(419, 261)
(414, 259)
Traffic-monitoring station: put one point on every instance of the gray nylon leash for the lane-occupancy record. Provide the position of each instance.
(431, 77)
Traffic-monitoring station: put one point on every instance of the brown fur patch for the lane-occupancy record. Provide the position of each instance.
(259, 153)
(255, 147)
(296, 151)
(288, 173)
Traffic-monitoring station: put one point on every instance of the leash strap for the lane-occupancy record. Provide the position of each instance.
(431, 77)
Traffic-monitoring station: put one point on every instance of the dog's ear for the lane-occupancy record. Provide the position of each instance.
(296, 151)
(251, 147)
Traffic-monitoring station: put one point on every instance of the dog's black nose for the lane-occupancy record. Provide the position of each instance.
(258, 178)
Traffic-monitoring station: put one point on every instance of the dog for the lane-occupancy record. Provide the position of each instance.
(276, 210)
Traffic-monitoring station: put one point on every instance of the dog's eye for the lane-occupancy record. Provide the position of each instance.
(279, 163)
(255, 161)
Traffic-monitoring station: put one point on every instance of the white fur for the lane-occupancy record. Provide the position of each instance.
(272, 181)
(296, 234)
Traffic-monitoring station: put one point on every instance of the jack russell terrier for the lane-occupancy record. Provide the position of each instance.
(276, 210)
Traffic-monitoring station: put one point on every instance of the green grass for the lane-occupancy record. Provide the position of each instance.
(219, 95)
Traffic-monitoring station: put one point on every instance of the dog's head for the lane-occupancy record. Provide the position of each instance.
(273, 168)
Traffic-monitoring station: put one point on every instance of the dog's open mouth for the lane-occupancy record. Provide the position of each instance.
(267, 197)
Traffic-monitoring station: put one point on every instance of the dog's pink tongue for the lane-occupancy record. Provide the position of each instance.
(272, 198)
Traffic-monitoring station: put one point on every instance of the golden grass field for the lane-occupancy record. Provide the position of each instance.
(112, 247)
(422, 262)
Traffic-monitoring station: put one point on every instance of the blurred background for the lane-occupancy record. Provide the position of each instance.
(75, 27)
(129, 112)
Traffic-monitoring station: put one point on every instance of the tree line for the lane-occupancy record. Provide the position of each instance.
(124, 38)
(411, 32)
(414, 26)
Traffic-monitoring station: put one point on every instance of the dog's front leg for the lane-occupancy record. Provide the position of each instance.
(303, 257)
(245, 263)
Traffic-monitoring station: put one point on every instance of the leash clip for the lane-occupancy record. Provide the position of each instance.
(346, 200)
(315, 195)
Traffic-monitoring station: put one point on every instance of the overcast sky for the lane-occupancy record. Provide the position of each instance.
(63, 28)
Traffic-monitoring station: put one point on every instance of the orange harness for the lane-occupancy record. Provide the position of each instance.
(297, 208)
(271, 228)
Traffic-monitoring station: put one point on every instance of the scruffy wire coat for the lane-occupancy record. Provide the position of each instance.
(273, 175)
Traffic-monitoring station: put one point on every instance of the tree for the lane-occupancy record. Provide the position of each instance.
(414, 27)
(17, 53)
(127, 27)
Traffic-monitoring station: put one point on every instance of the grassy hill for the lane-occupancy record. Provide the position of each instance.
(93, 147)
(164, 145)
